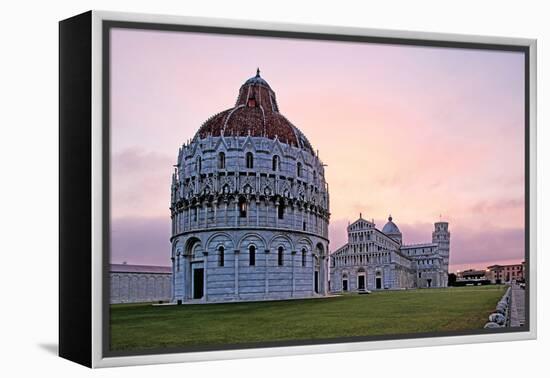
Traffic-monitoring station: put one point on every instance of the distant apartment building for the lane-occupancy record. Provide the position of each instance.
(505, 273)
(471, 275)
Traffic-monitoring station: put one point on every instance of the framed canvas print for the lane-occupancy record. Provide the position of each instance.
(232, 189)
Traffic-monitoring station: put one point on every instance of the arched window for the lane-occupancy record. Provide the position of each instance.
(221, 256)
(252, 255)
(221, 160)
(280, 256)
(249, 160)
(304, 257)
(281, 211)
(199, 164)
(314, 175)
(276, 163)
(195, 214)
(299, 169)
(243, 207)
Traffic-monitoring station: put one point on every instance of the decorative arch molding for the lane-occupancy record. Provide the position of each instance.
(305, 243)
(276, 149)
(177, 248)
(221, 145)
(191, 244)
(212, 243)
(248, 145)
(252, 238)
(320, 249)
(273, 242)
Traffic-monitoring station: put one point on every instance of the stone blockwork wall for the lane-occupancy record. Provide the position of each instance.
(284, 265)
(392, 276)
(140, 287)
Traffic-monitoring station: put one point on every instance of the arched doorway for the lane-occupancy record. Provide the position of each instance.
(317, 266)
(361, 279)
(345, 282)
(378, 280)
(195, 269)
(319, 269)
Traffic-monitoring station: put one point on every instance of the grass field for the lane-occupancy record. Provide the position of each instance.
(142, 326)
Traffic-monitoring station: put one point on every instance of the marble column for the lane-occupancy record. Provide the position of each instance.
(293, 258)
(266, 273)
(236, 274)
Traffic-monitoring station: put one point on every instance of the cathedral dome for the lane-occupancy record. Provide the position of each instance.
(255, 113)
(390, 228)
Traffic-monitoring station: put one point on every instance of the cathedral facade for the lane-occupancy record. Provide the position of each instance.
(249, 207)
(377, 259)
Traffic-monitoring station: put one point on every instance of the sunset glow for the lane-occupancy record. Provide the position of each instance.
(422, 133)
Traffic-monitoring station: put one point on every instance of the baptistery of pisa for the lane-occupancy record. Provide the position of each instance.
(249, 207)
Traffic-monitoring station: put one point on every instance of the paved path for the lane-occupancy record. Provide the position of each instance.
(517, 309)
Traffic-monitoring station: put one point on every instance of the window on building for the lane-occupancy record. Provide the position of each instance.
(303, 225)
(221, 160)
(280, 256)
(195, 214)
(199, 164)
(221, 256)
(299, 169)
(243, 207)
(252, 255)
(419, 274)
(281, 211)
(276, 163)
(249, 160)
(304, 257)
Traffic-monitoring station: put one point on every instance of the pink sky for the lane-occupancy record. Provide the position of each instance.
(417, 132)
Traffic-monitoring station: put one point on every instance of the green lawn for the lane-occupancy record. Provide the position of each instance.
(142, 326)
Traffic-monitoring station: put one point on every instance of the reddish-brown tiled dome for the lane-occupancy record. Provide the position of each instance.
(256, 113)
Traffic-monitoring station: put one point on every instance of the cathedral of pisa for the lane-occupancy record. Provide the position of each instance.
(250, 214)
(375, 260)
(249, 207)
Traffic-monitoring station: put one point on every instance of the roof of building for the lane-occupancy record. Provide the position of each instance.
(420, 245)
(390, 228)
(126, 268)
(497, 266)
(256, 113)
(472, 272)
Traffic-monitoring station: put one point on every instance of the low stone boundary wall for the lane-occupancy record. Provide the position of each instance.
(501, 317)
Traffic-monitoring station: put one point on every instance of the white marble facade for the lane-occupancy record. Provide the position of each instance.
(377, 260)
(249, 207)
(140, 283)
